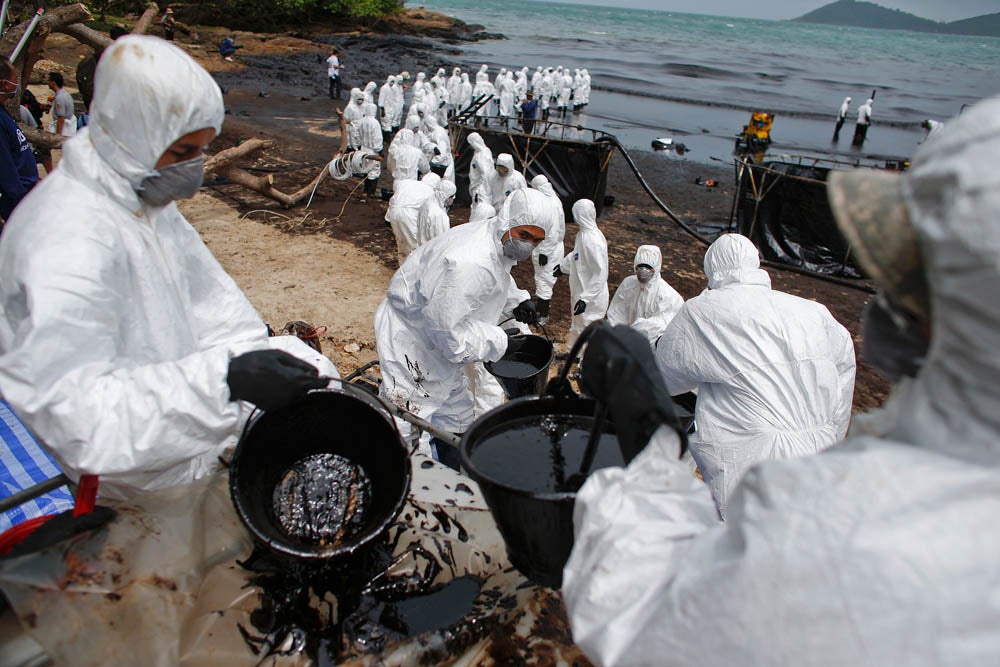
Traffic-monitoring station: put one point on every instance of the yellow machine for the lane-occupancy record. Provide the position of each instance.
(756, 134)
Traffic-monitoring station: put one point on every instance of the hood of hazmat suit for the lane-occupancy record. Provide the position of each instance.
(118, 323)
(441, 312)
(774, 372)
(873, 552)
(646, 307)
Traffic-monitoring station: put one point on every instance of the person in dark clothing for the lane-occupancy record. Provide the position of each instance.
(228, 47)
(18, 173)
(168, 25)
(529, 108)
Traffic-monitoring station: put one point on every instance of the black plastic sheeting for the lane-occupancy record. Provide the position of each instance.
(576, 169)
(792, 222)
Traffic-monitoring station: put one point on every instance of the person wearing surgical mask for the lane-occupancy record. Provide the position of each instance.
(443, 307)
(645, 301)
(124, 345)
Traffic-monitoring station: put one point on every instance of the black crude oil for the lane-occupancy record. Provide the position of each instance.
(322, 499)
(512, 368)
(537, 454)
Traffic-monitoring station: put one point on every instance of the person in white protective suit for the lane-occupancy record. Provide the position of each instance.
(774, 372)
(543, 91)
(353, 113)
(124, 346)
(587, 268)
(645, 301)
(505, 86)
(432, 219)
(370, 136)
(585, 95)
(403, 214)
(482, 171)
(464, 94)
(863, 123)
(550, 251)
(483, 87)
(507, 181)
(455, 90)
(442, 310)
(879, 551)
(405, 160)
(390, 106)
(845, 106)
(439, 145)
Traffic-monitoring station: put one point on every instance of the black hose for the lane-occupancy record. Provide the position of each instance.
(693, 233)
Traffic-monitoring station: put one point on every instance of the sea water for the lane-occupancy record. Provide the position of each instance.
(696, 78)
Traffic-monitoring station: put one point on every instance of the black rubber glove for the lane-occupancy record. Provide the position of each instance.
(515, 342)
(543, 259)
(579, 307)
(556, 272)
(271, 379)
(619, 370)
(525, 312)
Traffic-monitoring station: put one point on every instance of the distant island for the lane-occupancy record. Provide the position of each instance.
(869, 15)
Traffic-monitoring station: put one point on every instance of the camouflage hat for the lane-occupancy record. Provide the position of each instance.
(871, 213)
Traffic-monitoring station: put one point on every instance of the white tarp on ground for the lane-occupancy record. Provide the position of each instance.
(161, 586)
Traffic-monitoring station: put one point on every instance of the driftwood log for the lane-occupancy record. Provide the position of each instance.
(222, 164)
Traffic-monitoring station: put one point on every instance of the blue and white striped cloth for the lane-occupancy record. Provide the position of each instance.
(23, 463)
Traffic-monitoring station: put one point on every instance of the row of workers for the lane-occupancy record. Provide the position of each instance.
(130, 352)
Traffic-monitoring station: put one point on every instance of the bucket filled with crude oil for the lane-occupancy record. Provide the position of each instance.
(321, 477)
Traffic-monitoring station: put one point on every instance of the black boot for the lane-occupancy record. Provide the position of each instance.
(370, 185)
(542, 310)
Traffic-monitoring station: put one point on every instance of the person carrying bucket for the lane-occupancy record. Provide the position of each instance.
(124, 345)
(442, 309)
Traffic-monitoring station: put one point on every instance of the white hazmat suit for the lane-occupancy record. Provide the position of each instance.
(552, 248)
(433, 218)
(441, 313)
(879, 551)
(505, 184)
(118, 324)
(647, 307)
(403, 214)
(587, 268)
(482, 171)
(774, 372)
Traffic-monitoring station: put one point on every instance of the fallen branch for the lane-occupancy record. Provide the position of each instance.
(221, 164)
(146, 20)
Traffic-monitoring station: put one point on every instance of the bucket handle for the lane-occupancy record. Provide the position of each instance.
(557, 386)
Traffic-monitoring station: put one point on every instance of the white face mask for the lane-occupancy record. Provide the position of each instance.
(517, 249)
(180, 180)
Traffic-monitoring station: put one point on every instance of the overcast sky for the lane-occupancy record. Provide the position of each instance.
(936, 10)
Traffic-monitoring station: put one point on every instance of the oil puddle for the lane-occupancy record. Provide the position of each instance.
(513, 368)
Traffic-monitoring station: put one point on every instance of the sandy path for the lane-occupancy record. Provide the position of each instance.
(315, 278)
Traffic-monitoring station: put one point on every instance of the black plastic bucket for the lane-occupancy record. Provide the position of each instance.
(525, 372)
(321, 423)
(536, 525)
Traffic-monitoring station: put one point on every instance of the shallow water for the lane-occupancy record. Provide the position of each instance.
(695, 78)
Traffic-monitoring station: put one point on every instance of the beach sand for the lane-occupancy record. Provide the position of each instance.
(330, 265)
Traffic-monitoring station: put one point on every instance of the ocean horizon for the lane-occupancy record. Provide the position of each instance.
(695, 78)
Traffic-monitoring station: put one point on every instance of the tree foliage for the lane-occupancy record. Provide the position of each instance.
(249, 14)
